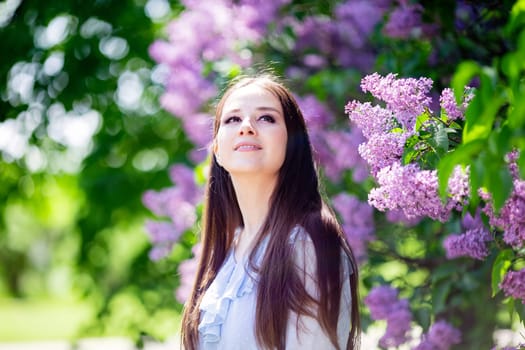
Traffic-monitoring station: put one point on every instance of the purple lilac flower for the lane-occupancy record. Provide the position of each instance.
(383, 150)
(187, 90)
(162, 236)
(405, 97)
(465, 14)
(187, 271)
(404, 21)
(449, 105)
(199, 129)
(354, 23)
(469, 222)
(380, 301)
(440, 336)
(397, 327)
(336, 151)
(175, 203)
(511, 218)
(344, 146)
(513, 284)
(472, 243)
(316, 114)
(384, 304)
(357, 19)
(397, 215)
(358, 222)
(184, 178)
(343, 37)
(415, 192)
(512, 160)
(372, 120)
(313, 32)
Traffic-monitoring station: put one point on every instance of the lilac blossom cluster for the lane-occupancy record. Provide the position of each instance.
(358, 222)
(408, 188)
(451, 107)
(406, 21)
(384, 304)
(342, 38)
(440, 336)
(511, 217)
(405, 97)
(513, 284)
(471, 243)
(175, 203)
(398, 216)
(415, 191)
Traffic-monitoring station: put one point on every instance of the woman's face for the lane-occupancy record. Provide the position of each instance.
(252, 135)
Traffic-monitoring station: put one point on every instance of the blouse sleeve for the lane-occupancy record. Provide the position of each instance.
(304, 332)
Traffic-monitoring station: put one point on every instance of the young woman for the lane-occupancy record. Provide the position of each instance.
(275, 269)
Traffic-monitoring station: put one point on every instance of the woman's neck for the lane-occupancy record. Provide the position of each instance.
(253, 195)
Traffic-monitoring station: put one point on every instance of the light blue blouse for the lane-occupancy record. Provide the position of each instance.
(228, 306)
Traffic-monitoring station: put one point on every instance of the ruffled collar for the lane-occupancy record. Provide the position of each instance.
(234, 280)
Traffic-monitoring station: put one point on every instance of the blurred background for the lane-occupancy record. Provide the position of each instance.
(104, 122)
(82, 137)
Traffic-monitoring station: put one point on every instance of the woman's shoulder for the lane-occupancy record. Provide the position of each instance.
(305, 254)
(298, 234)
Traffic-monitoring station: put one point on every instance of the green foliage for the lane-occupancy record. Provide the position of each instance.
(81, 211)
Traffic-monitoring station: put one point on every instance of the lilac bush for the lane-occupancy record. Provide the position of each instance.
(385, 158)
(406, 187)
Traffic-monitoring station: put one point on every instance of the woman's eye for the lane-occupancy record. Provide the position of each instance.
(232, 119)
(267, 118)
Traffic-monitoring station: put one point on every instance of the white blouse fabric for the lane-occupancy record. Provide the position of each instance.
(227, 318)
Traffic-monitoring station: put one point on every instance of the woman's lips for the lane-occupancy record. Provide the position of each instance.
(243, 147)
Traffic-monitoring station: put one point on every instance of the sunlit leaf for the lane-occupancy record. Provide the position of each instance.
(499, 268)
(464, 74)
(461, 155)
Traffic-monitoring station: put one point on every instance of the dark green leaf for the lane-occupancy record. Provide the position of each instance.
(441, 139)
(500, 267)
(439, 296)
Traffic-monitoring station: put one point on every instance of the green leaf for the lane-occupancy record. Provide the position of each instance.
(461, 155)
(516, 113)
(480, 117)
(409, 155)
(519, 307)
(439, 296)
(423, 316)
(464, 74)
(498, 182)
(500, 267)
(441, 139)
(444, 271)
(421, 119)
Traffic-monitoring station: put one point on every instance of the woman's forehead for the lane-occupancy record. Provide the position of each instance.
(252, 95)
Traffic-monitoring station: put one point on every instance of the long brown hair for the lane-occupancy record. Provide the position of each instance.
(296, 200)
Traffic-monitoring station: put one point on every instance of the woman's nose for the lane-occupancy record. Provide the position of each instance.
(247, 127)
